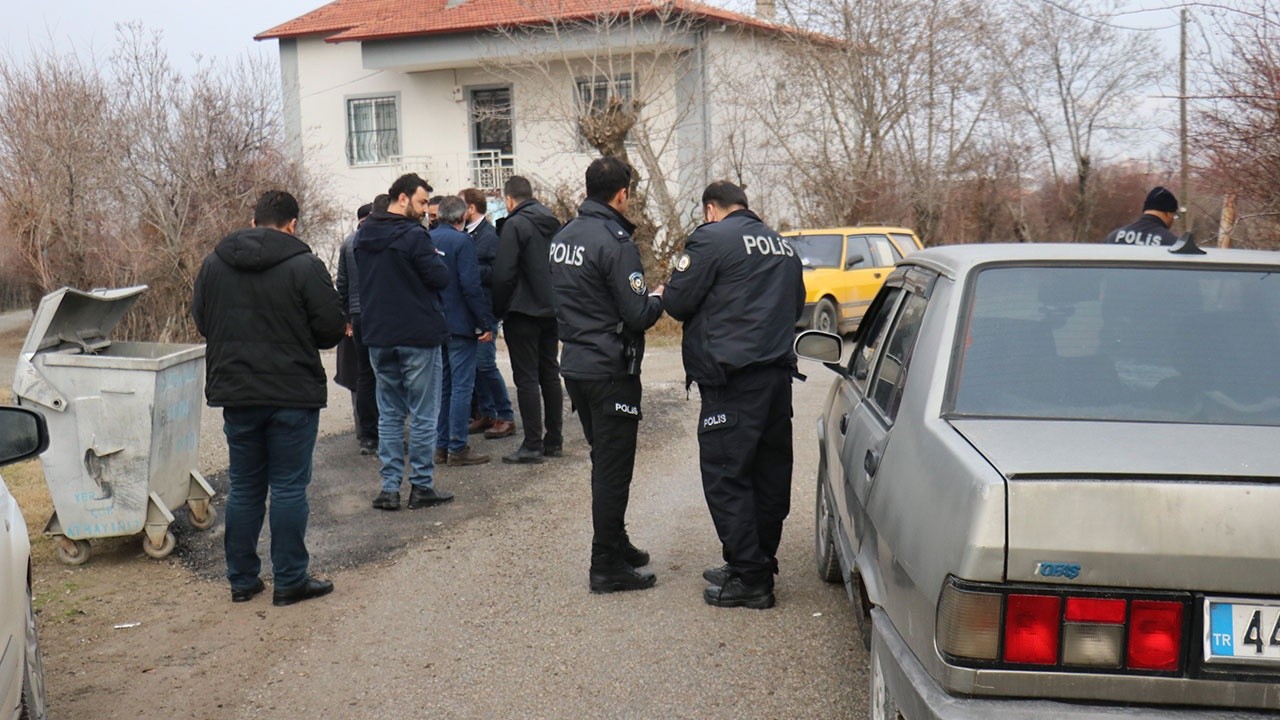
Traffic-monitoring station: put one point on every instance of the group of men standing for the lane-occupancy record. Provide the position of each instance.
(422, 307)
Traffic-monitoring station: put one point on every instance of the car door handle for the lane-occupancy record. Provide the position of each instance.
(844, 423)
(871, 462)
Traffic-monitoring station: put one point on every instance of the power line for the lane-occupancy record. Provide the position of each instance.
(1104, 23)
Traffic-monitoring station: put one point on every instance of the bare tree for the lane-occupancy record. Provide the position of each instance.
(1237, 129)
(129, 172)
(608, 83)
(1083, 83)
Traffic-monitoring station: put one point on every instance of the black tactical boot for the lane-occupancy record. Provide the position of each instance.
(736, 593)
(618, 577)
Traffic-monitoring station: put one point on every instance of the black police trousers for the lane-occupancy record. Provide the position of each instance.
(744, 441)
(610, 415)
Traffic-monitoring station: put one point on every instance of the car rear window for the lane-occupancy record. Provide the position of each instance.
(905, 243)
(1199, 345)
(819, 251)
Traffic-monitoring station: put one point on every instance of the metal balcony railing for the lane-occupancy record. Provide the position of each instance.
(483, 169)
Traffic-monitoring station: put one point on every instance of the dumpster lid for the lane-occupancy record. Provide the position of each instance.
(70, 318)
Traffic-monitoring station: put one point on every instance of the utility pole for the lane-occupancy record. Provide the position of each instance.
(1185, 192)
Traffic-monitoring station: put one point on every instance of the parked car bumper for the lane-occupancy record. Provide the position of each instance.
(806, 317)
(920, 697)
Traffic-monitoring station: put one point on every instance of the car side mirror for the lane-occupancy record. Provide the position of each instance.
(853, 261)
(823, 347)
(23, 434)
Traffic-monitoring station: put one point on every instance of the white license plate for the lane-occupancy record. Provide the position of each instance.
(1242, 631)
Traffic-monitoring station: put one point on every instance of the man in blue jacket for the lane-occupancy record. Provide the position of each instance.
(470, 320)
(401, 275)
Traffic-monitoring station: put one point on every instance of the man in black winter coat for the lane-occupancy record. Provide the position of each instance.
(604, 307)
(1159, 211)
(267, 305)
(739, 290)
(401, 276)
(522, 298)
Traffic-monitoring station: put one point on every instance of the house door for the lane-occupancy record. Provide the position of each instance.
(492, 161)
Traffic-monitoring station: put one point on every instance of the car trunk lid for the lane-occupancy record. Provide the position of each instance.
(1138, 505)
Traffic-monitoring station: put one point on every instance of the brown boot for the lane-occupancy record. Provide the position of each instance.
(442, 456)
(500, 429)
(467, 456)
(479, 425)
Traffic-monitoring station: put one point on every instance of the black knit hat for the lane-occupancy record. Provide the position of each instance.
(1161, 199)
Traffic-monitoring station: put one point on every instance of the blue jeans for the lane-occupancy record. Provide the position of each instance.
(455, 398)
(270, 450)
(491, 388)
(408, 388)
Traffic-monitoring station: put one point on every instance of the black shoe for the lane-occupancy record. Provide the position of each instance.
(368, 447)
(310, 588)
(632, 555)
(246, 594)
(387, 500)
(620, 578)
(718, 575)
(426, 497)
(736, 593)
(524, 455)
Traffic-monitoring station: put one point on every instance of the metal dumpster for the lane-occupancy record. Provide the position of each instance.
(124, 423)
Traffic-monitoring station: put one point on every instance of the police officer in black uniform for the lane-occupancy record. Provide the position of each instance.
(1158, 213)
(603, 307)
(739, 289)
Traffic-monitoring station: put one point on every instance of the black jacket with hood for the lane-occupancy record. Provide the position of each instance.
(401, 276)
(267, 306)
(522, 271)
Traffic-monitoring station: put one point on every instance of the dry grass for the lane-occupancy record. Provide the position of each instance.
(664, 333)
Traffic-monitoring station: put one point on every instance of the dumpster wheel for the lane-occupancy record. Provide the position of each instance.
(165, 548)
(210, 515)
(72, 552)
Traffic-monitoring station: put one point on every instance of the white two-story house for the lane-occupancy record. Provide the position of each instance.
(469, 92)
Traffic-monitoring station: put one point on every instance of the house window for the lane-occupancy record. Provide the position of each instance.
(595, 96)
(373, 135)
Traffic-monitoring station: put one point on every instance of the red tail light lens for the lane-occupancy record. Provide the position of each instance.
(1095, 610)
(1155, 635)
(1031, 628)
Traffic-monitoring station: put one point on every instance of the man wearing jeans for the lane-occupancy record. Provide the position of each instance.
(266, 305)
(401, 276)
(523, 298)
(469, 317)
(493, 405)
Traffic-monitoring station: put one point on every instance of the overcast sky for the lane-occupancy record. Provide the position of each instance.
(220, 29)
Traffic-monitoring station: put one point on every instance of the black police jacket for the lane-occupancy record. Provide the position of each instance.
(602, 302)
(267, 306)
(739, 289)
(1146, 230)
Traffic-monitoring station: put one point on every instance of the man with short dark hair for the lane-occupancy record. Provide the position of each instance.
(433, 210)
(1159, 211)
(401, 276)
(739, 290)
(266, 306)
(470, 321)
(603, 308)
(493, 405)
(522, 298)
(366, 401)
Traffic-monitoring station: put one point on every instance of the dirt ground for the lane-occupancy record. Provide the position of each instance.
(492, 586)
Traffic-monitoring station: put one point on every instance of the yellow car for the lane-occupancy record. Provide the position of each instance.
(844, 268)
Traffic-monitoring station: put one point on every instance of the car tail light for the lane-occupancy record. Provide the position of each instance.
(1069, 629)
(1093, 632)
(1155, 635)
(969, 623)
(1031, 628)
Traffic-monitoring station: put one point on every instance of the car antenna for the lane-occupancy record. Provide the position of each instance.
(1186, 245)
